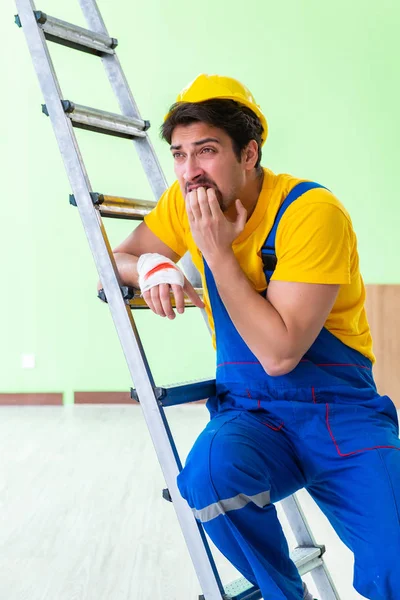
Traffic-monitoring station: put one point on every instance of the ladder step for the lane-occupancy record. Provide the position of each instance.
(190, 391)
(73, 36)
(241, 589)
(305, 558)
(119, 208)
(135, 301)
(93, 119)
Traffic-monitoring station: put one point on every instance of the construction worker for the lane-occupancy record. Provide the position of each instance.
(296, 403)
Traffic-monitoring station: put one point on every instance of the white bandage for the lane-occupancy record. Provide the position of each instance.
(154, 269)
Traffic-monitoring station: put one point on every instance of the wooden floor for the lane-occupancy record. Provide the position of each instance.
(81, 513)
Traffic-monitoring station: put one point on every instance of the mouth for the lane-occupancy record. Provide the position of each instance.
(196, 187)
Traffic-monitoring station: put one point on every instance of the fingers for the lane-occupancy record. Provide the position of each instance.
(197, 204)
(203, 202)
(154, 302)
(159, 299)
(192, 294)
(189, 209)
(213, 203)
(192, 206)
(147, 299)
(241, 216)
(177, 290)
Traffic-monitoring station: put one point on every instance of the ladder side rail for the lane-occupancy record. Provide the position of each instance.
(121, 314)
(128, 106)
(126, 100)
(297, 521)
(304, 537)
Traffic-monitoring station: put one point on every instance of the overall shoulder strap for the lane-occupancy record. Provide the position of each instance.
(268, 249)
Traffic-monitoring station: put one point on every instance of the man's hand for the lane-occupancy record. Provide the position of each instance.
(158, 277)
(211, 230)
(158, 298)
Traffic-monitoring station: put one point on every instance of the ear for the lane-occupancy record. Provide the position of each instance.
(250, 155)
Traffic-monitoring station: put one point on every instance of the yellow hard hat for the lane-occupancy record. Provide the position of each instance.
(206, 87)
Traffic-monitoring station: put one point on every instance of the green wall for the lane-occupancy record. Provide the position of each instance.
(327, 77)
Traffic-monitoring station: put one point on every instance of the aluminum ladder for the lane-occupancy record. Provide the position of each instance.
(39, 28)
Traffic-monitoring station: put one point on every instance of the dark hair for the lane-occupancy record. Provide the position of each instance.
(239, 122)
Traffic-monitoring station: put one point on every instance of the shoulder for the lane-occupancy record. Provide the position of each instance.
(280, 185)
(323, 200)
(317, 219)
(316, 210)
(319, 201)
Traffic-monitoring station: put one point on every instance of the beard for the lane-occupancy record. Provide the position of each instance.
(224, 203)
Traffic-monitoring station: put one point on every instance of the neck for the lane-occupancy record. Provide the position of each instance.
(248, 197)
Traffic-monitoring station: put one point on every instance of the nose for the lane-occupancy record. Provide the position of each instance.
(192, 169)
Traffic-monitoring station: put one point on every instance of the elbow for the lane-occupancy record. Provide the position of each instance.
(279, 367)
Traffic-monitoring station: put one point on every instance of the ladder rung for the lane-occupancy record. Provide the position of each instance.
(138, 301)
(241, 589)
(191, 391)
(93, 119)
(73, 36)
(305, 558)
(120, 208)
(132, 295)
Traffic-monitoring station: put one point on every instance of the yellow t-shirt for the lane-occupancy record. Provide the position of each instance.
(315, 243)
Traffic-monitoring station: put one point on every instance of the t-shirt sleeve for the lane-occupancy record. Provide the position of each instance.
(313, 244)
(167, 219)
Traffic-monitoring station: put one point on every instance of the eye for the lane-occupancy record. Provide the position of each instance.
(208, 150)
(177, 155)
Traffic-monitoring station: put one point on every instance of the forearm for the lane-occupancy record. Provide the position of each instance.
(127, 268)
(257, 321)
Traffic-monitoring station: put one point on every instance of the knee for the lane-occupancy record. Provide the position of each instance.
(194, 479)
(214, 475)
(381, 579)
(207, 466)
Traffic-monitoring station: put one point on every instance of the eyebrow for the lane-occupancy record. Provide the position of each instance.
(199, 143)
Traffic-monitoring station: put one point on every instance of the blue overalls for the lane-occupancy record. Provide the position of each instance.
(323, 427)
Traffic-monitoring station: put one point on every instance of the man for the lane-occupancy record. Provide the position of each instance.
(296, 403)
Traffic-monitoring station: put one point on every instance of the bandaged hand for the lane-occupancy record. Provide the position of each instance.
(154, 269)
(158, 276)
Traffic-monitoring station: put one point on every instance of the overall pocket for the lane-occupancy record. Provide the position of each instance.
(355, 429)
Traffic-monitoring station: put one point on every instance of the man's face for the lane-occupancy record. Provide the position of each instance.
(204, 157)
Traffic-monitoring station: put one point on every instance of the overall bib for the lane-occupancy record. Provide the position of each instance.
(322, 427)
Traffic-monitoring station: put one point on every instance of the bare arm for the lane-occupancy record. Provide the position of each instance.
(282, 327)
(141, 241)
